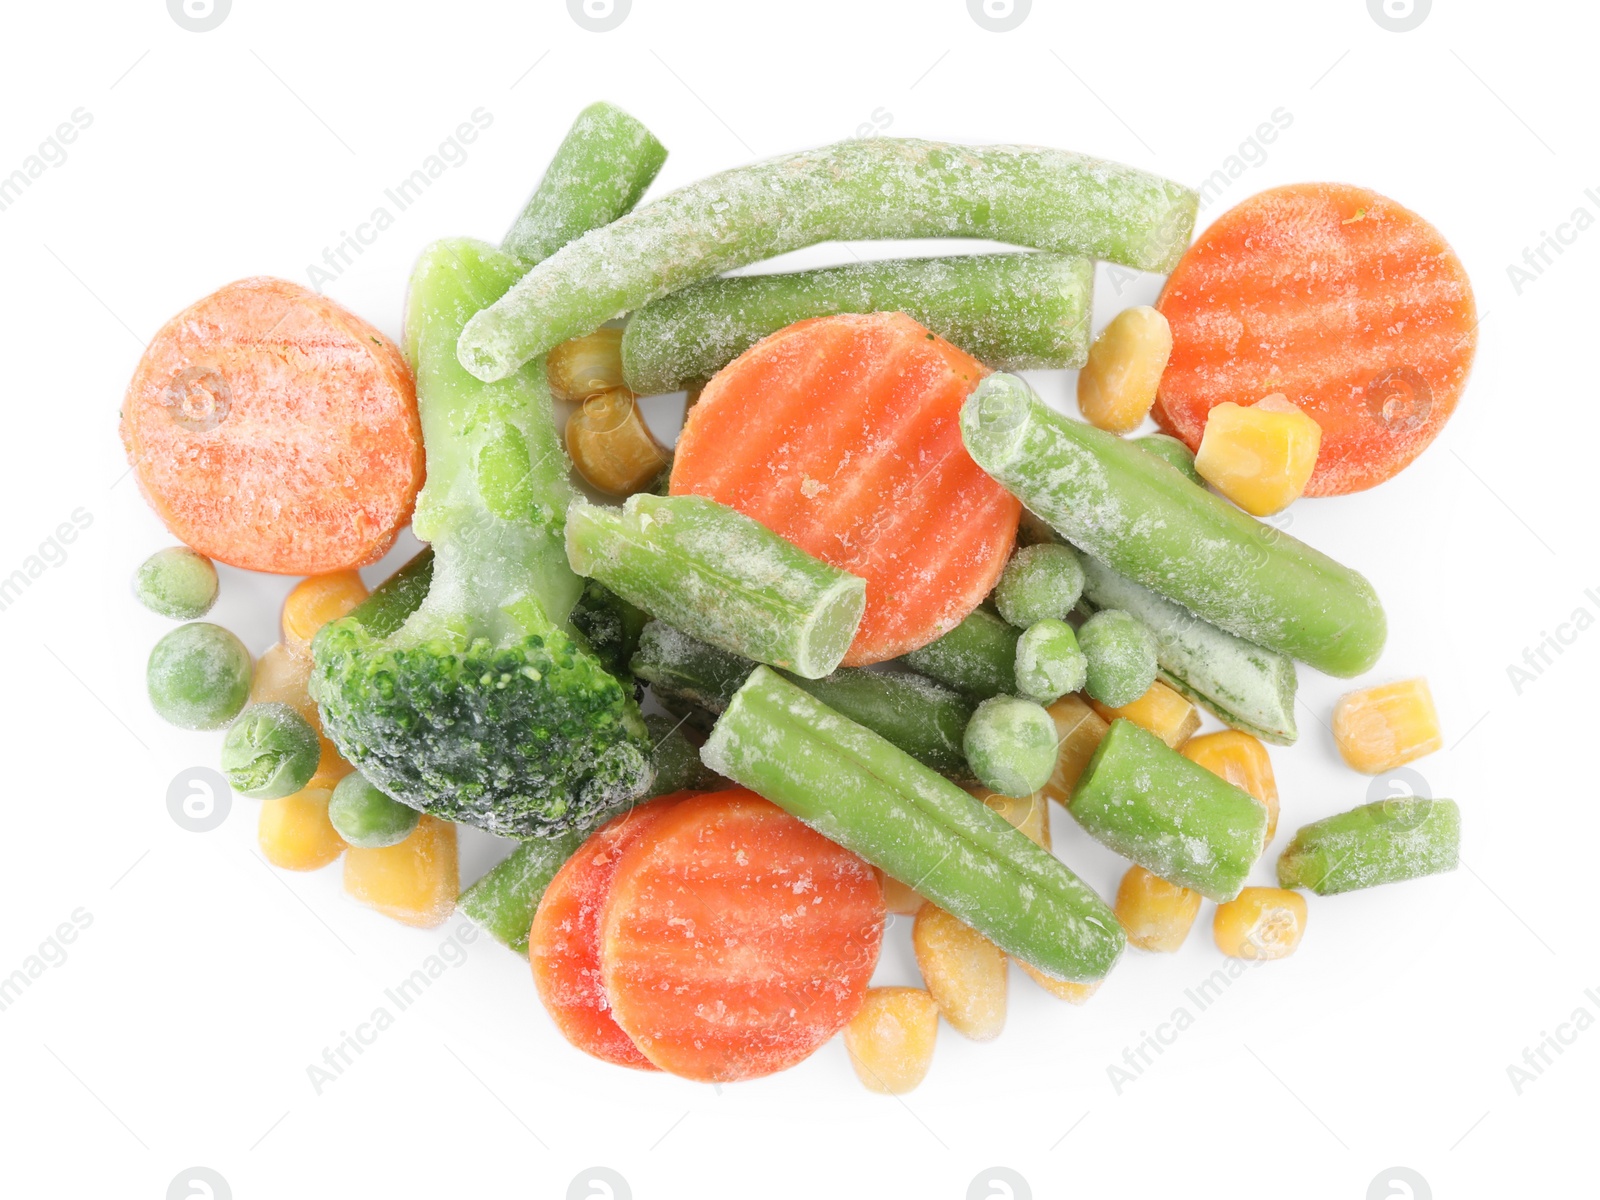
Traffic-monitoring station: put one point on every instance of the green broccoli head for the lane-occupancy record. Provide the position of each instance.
(461, 687)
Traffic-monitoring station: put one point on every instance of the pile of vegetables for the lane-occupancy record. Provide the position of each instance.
(838, 650)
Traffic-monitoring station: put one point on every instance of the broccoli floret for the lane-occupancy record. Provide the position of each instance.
(461, 687)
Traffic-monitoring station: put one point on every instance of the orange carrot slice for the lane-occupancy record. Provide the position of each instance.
(1353, 307)
(564, 943)
(271, 429)
(736, 939)
(842, 434)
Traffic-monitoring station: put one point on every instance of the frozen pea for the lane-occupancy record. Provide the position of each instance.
(1011, 745)
(367, 818)
(1171, 450)
(1040, 583)
(1049, 663)
(198, 676)
(270, 751)
(176, 582)
(1122, 657)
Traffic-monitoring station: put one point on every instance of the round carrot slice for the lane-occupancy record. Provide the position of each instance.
(564, 943)
(1353, 307)
(271, 429)
(842, 434)
(736, 940)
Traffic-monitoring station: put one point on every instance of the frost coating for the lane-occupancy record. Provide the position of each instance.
(865, 188)
(1011, 745)
(1121, 657)
(1040, 583)
(1385, 842)
(1049, 662)
(1009, 311)
(1114, 500)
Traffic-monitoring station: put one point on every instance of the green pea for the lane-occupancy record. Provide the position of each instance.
(1011, 745)
(1121, 654)
(366, 817)
(270, 751)
(1049, 663)
(198, 676)
(176, 582)
(1040, 583)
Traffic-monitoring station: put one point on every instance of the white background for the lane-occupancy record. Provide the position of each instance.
(179, 1029)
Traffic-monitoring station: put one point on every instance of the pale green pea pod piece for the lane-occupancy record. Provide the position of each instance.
(1385, 842)
(720, 576)
(1118, 502)
(1042, 582)
(1171, 816)
(863, 189)
(1049, 662)
(599, 172)
(860, 791)
(1010, 311)
(1011, 745)
(1248, 686)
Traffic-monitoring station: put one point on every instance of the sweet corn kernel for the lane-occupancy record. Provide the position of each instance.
(1379, 728)
(584, 366)
(1072, 993)
(1118, 384)
(316, 601)
(890, 1039)
(1260, 923)
(1030, 814)
(899, 897)
(281, 676)
(1241, 760)
(611, 445)
(965, 972)
(1161, 710)
(1260, 457)
(330, 767)
(1078, 731)
(295, 833)
(1157, 915)
(415, 882)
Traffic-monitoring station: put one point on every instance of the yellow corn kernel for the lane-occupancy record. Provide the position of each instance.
(586, 365)
(1379, 728)
(890, 1039)
(1030, 814)
(316, 601)
(964, 970)
(1260, 923)
(330, 767)
(1241, 760)
(899, 897)
(295, 833)
(1078, 732)
(1118, 384)
(415, 882)
(1072, 993)
(1260, 457)
(1161, 710)
(611, 445)
(1157, 915)
(281, 676)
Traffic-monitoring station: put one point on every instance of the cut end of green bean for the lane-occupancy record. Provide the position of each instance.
(1049, 662)
(1121, 657)
(1042, 582)
(270, 751)
(1385, 842)
(1011, 745)
(177, 583)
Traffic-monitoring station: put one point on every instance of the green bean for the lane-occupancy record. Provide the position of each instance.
(1384, 842)
(978, 657)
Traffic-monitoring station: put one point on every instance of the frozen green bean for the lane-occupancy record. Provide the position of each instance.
(978, 657)
(1384, 842)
